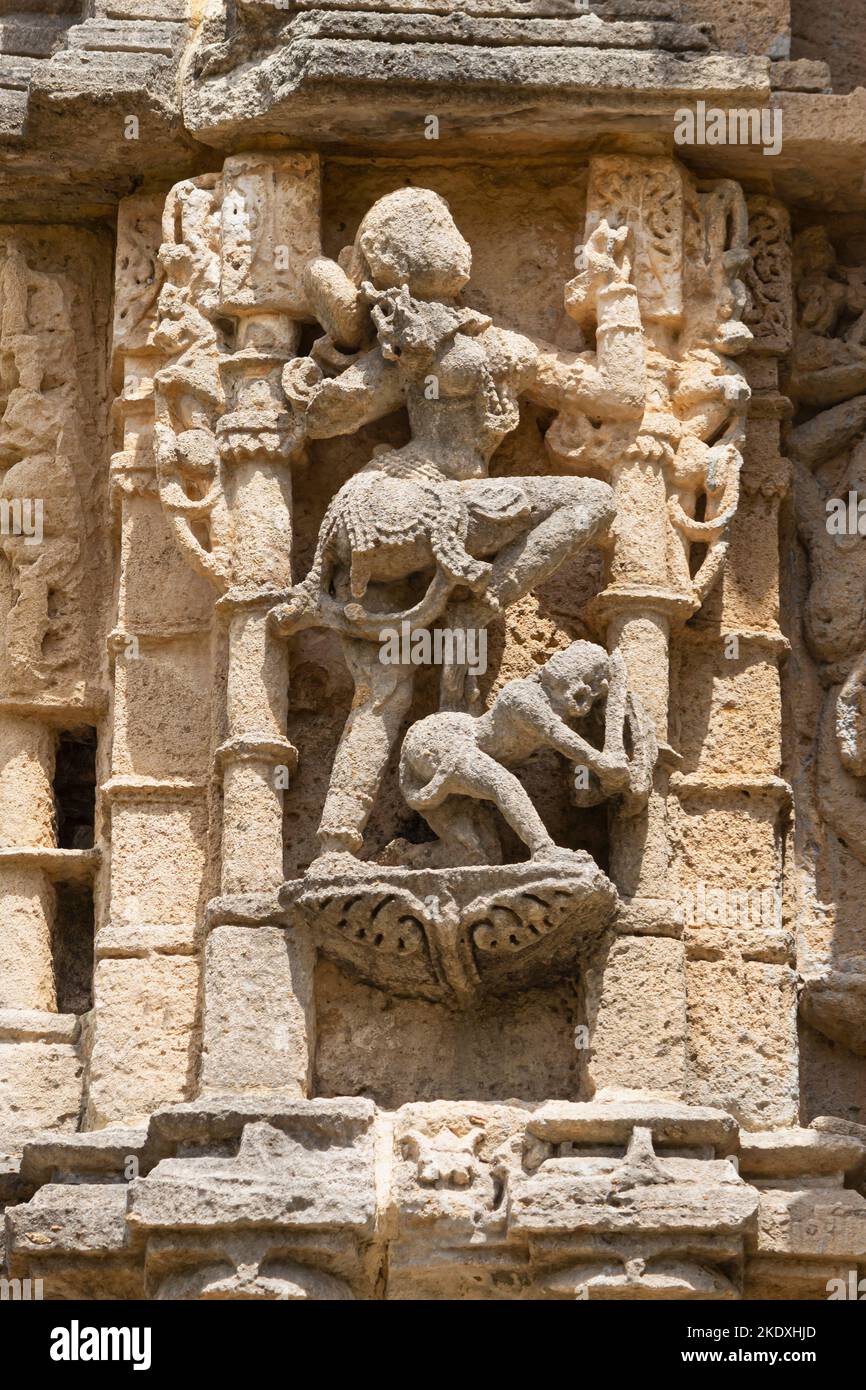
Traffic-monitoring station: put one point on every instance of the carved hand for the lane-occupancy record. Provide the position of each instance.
(300, 379)
(613, 773)
(605, 258)
(602, 263)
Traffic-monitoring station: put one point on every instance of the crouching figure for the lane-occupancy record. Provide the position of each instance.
(452, 761)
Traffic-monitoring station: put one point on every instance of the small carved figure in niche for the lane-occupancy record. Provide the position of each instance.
(693, 393)
(705, 390)
(829, 456)
(451, 760)
(427, 517)
(188, 396)
(446, 1159)
(829, 363)
(834, 621)
(828, 382)
(40, 427)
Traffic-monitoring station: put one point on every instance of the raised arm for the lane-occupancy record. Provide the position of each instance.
(611, 382)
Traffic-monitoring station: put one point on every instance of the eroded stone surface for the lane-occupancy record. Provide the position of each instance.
(471, 905)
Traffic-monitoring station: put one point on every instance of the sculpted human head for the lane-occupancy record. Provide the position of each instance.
(813, 253)
(410, 238)
(576, 678)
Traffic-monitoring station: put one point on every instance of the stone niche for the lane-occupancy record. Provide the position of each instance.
(431, 691)
(424, 1048)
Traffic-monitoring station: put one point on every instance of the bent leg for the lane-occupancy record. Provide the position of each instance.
(568, 515)
(486, 780)
(464, 833)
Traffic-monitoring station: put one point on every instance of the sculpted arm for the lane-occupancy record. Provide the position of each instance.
(611, 382)
(328, 406)
(336, 303)
(528, 707)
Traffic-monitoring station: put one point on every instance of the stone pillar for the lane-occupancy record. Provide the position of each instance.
(636, 986)
(258, 978)
(26, 821)
(636, 989)
(143, 1035)
(54, 287)
(730, 805)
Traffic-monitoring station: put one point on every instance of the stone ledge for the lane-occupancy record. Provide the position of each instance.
(274, 94)
(591, 1187)
(213, 1117)
(649, 917)
(101, 1153)
(33, 36)
(136, 788)
(829, 1223)
(126, 36)
(140, 941)
(176, 10)
(79, 1218)
(770, 945)
(794, 1152)
(60, 864)
(459, 28)
(569, 10)
(687, 784)
(36, 1025)
(800, 75)
(613, 1121)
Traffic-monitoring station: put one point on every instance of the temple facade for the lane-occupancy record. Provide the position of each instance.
(432, 649)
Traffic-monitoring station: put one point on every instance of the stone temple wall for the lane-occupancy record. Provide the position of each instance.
(432, 649)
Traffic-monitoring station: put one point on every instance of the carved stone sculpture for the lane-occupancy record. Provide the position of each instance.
(829, 363)
(440, 923)
(828, 377)
(39, 432)
(829, 372)
(450, 761)
(430, 506)
(432, 654)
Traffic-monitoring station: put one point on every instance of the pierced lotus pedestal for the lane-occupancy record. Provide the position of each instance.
(454, 935)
